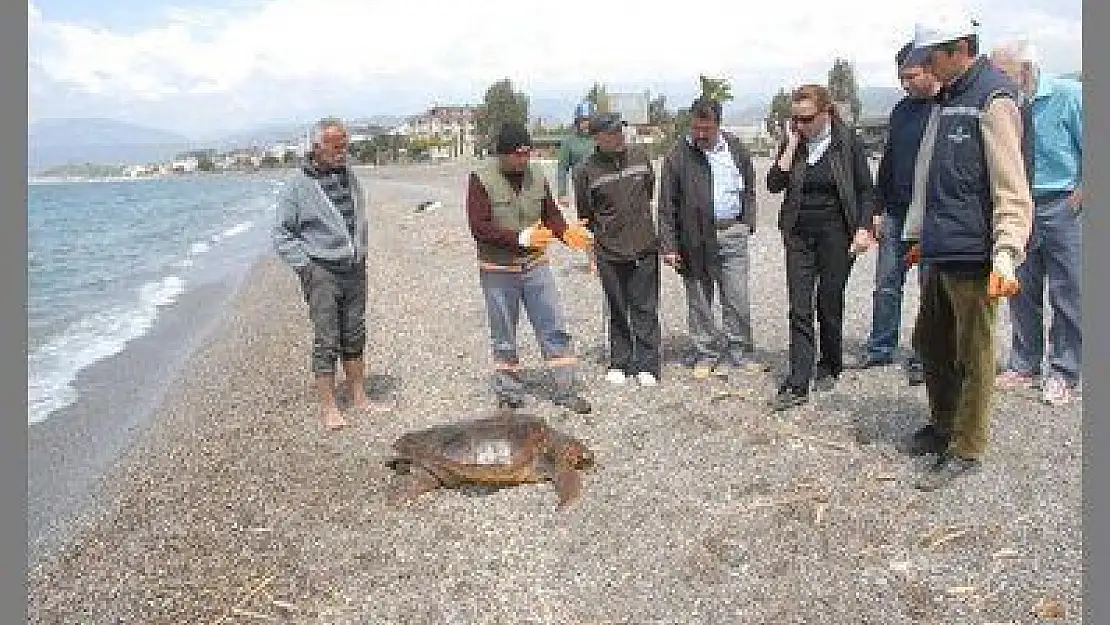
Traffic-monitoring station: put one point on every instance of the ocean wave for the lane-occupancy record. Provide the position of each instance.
(235, 230)
(53, 368)
(197, 248)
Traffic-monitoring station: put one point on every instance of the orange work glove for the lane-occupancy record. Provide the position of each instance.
(913, 255)
(1002, 281)
(577, 237)
(536, 236)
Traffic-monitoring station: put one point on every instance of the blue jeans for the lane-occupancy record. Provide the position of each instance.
(890, 280)
(1054, 256)
(534, 287)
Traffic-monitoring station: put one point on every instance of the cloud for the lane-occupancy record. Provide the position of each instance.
(460, 47)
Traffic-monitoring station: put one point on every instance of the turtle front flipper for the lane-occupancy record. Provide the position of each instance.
(411, 485)
(568, 483)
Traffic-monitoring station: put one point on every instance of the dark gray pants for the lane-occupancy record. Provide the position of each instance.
(337, 307)
(732, 283)
(632, 297)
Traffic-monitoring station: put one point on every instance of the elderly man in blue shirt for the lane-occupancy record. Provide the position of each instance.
(1055, 253)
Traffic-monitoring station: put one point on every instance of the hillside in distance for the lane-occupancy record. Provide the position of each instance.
(53, 142)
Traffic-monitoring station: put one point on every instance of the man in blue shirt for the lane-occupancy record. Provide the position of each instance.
(707, 213)
(1055, 246)
(893, 189)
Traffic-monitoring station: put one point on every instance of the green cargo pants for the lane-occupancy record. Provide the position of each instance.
(954, 335)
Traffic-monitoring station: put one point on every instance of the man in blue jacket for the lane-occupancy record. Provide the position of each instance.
(970, 213)
(321, 232)
(893, 190)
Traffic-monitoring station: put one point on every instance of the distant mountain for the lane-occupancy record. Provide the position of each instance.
(53, 142)
(97, 131)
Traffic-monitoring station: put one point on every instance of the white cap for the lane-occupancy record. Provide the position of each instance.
(942, 27)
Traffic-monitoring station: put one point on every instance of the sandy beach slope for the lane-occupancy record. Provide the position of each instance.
(233, 507)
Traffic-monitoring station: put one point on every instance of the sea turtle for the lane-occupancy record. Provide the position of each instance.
(504, 450)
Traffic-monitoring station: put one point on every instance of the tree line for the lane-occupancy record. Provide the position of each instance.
(502, 103)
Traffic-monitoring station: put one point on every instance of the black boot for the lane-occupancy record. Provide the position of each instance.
(927, 440)
(789, 397)
(915, 372)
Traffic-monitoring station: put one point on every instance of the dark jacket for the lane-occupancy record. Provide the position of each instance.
(854, 183)
(958, 222)
(613, 193)
(686, 203)
(894, 181)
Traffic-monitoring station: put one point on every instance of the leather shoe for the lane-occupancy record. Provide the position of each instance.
(925, 441)
(915, 373)
(948, 467)
(789, 397)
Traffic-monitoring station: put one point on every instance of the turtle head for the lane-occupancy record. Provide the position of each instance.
(577, 456)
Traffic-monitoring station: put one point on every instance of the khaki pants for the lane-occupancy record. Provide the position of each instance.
(954, 335)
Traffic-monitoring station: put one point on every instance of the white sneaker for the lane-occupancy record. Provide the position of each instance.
(615, 376)
(646, 379)
(1055, 391)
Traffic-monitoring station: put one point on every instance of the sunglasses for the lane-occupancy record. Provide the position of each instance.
(804, 119)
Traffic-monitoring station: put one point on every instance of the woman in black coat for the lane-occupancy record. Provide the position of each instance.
(825, 221)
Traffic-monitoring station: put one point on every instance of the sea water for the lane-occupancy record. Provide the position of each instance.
(105, 259)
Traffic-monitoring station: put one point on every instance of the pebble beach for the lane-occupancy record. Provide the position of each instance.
(233, 505)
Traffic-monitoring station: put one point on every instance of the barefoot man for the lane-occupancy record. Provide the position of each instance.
(321, 232)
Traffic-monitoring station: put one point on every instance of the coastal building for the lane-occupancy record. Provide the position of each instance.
(185, 165)
(449, 129)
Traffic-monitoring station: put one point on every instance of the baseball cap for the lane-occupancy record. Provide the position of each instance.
(910, 56)
(513, 138)
(606, 122)
(943, 27)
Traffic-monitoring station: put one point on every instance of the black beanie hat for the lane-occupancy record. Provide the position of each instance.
(512, 137)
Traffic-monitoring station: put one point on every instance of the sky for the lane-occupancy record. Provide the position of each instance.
(202, 67)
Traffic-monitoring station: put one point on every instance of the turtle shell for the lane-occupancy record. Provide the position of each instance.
(495, 451)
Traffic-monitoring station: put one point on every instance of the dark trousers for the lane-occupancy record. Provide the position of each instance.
(816, 258)
(954, 335)
(337, 307)
(632, 294)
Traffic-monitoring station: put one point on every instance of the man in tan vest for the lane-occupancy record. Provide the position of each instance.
(513, 219)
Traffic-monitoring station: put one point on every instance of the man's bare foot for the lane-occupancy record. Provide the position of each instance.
(332, 418)
(358, 398)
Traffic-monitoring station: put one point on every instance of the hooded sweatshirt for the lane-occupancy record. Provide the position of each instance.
(572, 151)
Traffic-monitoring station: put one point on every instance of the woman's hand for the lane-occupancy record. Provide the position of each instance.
(861, 242)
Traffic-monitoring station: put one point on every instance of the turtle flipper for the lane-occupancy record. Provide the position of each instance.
(568, 483)
(411, 485)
